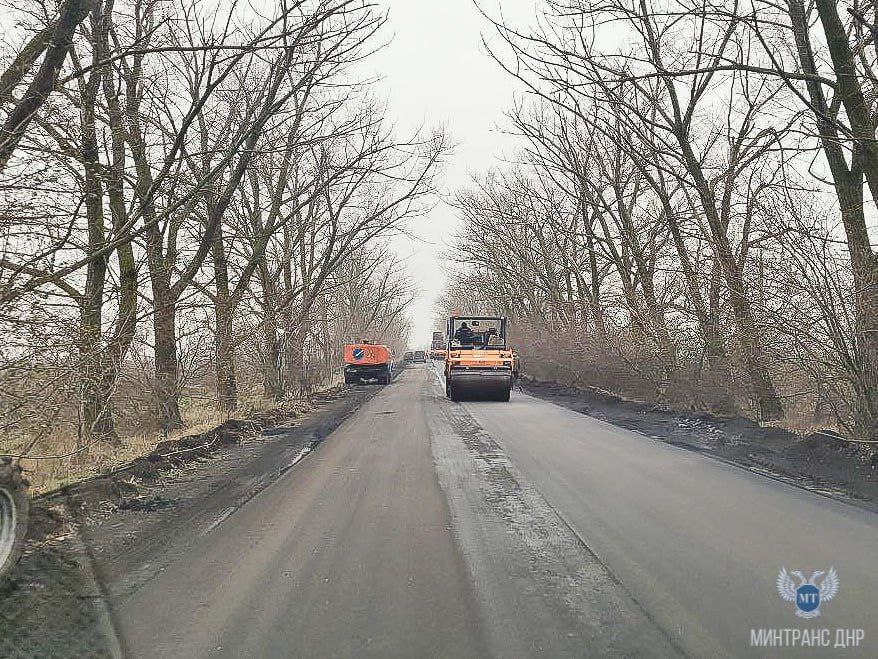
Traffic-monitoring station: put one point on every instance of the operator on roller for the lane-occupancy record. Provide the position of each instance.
(464, 335)
(480, 364)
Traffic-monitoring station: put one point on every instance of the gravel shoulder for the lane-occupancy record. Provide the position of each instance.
(820, 462)
(94, 542)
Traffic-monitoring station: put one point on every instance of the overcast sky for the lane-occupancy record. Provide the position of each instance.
(435, 72)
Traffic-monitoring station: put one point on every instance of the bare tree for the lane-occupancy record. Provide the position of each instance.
(830, 70)
(644, 81)
(55, 40)
(199, 187)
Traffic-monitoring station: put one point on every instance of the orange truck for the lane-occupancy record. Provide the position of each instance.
(366, 361)
(479, 363)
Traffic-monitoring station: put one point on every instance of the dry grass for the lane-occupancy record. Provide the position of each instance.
(55, 434)
(101, 458)
(630, 370)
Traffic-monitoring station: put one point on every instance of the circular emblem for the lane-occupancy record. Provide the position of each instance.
(358, 353)
(807, 598)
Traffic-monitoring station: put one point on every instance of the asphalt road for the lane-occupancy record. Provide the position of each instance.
(426, 528)
(699, 543)
(349, 553)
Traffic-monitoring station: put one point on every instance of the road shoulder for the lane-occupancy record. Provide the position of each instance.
(820, 463)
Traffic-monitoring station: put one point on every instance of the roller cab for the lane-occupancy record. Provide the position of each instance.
(479, 365)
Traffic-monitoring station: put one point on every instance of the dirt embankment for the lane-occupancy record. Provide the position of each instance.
(95, 540)
(821, 461)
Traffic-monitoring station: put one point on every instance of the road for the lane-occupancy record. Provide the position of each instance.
(698, 542)
(422, 527)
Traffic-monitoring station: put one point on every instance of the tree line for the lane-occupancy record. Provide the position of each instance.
(692, 212)
(190, 191)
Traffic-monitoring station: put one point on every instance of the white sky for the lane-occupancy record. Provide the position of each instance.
(435, 72)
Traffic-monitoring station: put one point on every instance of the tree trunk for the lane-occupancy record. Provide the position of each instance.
(166, 360)
(714, 350)
(597, 305)
(768, 403)
(295, 358)
(296, 365)
(713, 339)
(96, 421)
(226, 385)
(126, 323)
(271, 376)
(864, 265)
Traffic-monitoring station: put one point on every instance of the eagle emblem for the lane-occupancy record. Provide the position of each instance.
(807, 595)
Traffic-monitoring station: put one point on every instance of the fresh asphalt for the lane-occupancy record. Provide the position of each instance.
(697, 542)
(422, 527)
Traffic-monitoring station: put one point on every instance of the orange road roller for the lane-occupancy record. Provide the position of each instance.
(479, 364)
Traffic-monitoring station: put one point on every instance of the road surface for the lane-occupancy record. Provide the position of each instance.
(423, 527)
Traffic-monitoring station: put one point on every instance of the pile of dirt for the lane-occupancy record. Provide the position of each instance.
(822, 461)
(118, 485)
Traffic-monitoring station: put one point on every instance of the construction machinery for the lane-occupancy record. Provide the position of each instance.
(479, 364)
(438, 346)
(13, 514)
(366, 361)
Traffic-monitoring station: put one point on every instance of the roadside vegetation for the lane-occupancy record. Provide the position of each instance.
(196, 202)
(690, 219)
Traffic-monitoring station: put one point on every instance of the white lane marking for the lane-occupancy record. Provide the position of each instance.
(222, 517)
(228, 512)
(301, 455)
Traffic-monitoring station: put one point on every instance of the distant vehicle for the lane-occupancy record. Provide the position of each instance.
(479, 363)
(438, 347)
(420, 356)
(408, 356)
(365, 362)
